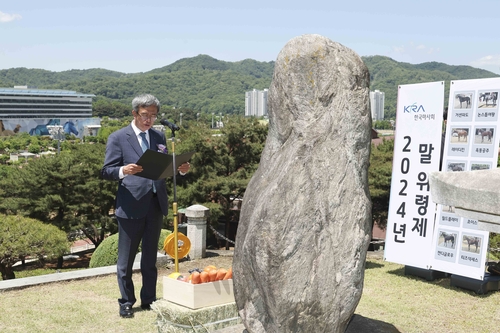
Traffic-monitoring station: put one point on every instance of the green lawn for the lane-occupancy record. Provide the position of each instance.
(410, 304)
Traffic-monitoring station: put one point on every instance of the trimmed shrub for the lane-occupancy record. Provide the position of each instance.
(23, 237)
(106, 253)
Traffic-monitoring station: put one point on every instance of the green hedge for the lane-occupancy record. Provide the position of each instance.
(106, 253)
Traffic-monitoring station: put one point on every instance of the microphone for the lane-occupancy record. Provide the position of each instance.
(173, 127)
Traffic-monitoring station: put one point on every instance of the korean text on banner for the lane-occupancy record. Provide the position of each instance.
(417, 148)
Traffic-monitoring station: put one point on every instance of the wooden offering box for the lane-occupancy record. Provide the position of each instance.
(195, 296)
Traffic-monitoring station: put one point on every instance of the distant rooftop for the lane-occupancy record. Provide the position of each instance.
(47, 92)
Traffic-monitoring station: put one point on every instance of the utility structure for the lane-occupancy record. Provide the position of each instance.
(56, 133)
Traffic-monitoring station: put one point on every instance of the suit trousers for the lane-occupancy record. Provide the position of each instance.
(130, 234)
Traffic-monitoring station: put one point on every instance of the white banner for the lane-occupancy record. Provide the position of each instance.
(417, 147)
(471, 143)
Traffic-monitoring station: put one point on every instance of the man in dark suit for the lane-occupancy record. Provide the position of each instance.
(140, 204)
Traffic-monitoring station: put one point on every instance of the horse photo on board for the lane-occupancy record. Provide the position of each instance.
(463, 101)
(447, 239)
(459, 135)
(471, 244)
(484, 135)
(480, 166)
(456, 166)
(487, 99)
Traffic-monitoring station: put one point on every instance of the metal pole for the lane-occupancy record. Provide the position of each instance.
(174, 207)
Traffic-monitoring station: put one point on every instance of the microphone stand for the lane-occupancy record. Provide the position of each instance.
(174, 207)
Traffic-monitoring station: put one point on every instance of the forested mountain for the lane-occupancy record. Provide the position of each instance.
(386, 74)
(204, 84)
(41, 78)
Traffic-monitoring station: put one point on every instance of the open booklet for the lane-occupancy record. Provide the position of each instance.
(158, 165)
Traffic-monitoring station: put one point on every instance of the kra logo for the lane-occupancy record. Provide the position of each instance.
(413, 108)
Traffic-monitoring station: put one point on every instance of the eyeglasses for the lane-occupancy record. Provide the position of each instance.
(146, 117)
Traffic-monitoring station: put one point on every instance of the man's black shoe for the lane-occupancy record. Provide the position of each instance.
(146, 307)
(126, 311)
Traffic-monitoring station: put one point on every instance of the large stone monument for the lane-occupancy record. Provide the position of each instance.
(306, 216)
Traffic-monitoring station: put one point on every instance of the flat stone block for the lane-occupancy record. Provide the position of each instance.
(428, 274)
(489, 283)
(174, 318)
(488, 226)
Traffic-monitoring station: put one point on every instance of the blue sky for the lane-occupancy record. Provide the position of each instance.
(138, 36)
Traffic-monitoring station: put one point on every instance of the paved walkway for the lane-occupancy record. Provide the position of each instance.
(84, 273)
(57, 277)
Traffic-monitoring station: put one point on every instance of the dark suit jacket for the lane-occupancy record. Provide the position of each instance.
(134, 194)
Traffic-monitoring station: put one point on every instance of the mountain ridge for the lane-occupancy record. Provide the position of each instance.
(208, 85)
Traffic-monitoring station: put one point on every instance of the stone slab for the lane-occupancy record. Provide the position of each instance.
(474, 194)
(358, 324)
(174, 318)
(486, 222)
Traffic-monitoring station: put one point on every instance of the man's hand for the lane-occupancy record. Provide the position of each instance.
(184, 168)
(131, 169)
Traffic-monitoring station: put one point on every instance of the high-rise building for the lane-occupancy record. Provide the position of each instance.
(377, 104)
(256, 103)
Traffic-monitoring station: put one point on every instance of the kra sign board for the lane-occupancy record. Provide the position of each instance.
(417, 147)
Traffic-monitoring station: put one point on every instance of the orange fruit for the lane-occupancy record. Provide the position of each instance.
(229, 274)
(209, 268)
(195, 278)
(221, 272)
(204, 277)
(212, 274)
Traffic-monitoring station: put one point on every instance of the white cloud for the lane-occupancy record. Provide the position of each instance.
(4, 17)
(412, 49)
(490, 63)
(424, 48)
(398, 49)
(487, 60)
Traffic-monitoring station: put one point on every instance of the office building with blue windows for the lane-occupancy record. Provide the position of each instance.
(24, 109)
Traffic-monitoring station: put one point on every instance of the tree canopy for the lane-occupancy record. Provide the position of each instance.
(24, 237)
(63, 190)
(379, 180)
(222, 166)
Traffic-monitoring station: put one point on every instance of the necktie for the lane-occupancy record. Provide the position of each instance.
(145, 146)
(144, 142)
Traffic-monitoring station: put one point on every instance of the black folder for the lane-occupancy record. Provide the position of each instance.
(158, 165)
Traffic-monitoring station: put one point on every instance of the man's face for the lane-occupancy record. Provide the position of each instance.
(145, 118)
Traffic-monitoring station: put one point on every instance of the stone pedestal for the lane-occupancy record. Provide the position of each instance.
(474, 194)
(197, 230)
(173, 318)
